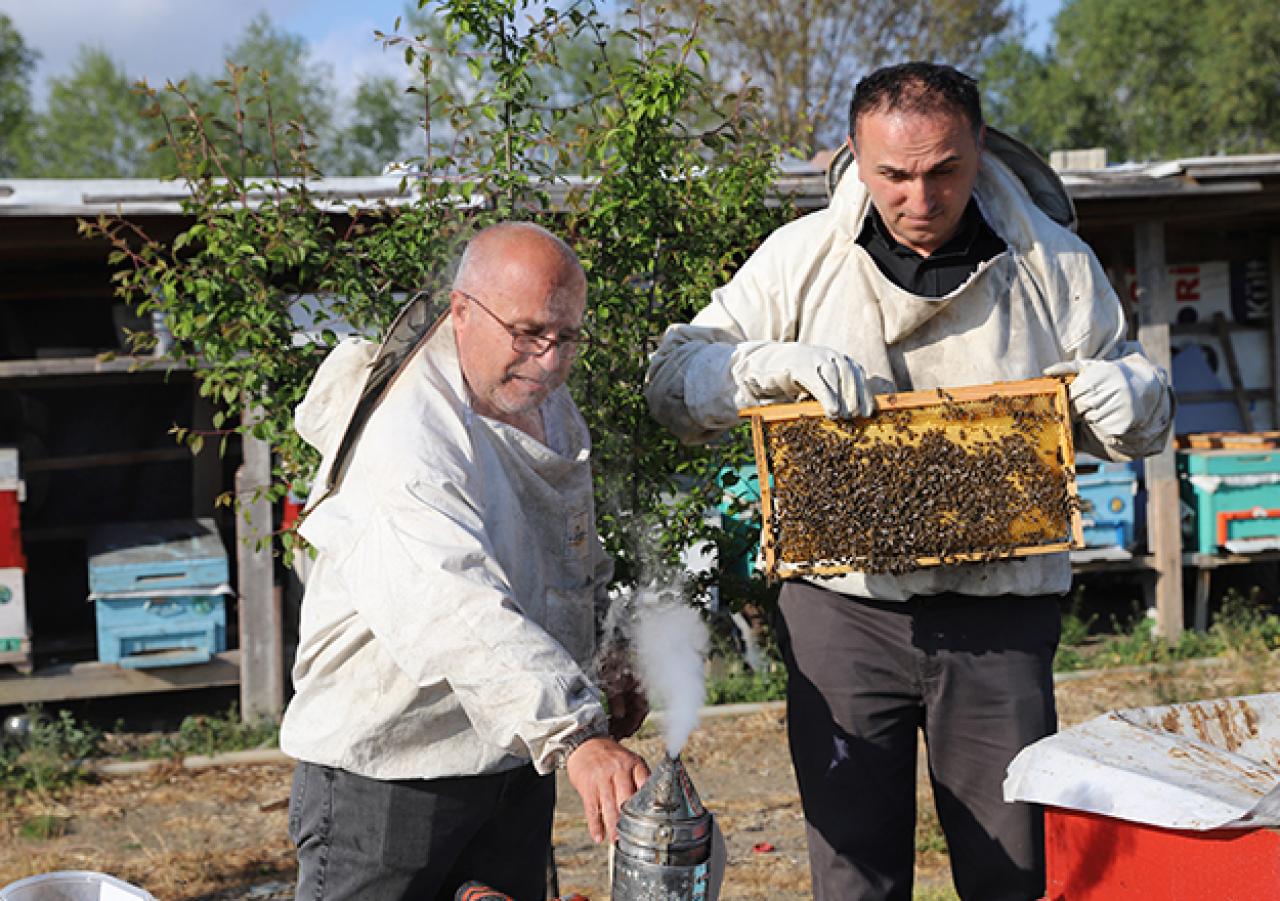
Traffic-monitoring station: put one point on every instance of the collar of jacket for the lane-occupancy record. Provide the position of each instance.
(1005, 203)
(416, 322)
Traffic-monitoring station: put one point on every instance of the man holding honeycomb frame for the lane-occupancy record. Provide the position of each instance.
(932, 267)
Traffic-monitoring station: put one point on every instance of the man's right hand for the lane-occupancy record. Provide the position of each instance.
(605, 774)
(786, 371)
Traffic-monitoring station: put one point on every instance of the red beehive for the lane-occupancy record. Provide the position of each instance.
(1090, 857)
(1180, 802)
(10, 496)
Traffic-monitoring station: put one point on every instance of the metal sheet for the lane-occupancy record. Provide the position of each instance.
(1200, 765)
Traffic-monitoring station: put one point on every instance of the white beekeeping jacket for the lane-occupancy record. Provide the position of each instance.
(1044, 300)
(450, 614)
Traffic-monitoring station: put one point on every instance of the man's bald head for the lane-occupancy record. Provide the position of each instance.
(520, 249)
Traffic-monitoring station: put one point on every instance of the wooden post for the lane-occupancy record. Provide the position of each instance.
(1164, 509)
(261, 654)
(1275, 332)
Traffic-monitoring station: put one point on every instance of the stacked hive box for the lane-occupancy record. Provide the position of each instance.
(158, 591)
(1108, 495)
(740, 517)
(1233, 498)
(15, 639)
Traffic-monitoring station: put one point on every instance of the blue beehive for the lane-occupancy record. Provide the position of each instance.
(158, 590)
(1108, 494)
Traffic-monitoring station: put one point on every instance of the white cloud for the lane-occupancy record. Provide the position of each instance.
(353, 54)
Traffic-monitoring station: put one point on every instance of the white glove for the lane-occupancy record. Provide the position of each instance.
(1113, 397)
(786, 371)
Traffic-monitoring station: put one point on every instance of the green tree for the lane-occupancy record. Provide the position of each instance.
(379, 131)
(301, 94)
(1146, 80)
(16, 62)
(666, 212)
(806, 55)
(92, 126)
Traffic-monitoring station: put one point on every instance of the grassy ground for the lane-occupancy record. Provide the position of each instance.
(218, 835)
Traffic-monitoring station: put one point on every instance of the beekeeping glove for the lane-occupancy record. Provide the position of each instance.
(1120, 400)
(776, 371)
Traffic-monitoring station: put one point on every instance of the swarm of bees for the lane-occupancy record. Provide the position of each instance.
(954, 481)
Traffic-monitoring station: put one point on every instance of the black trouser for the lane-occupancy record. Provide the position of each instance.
(361, 838)
(976, 675)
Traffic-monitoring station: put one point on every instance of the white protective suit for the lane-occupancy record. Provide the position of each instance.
(450, 614)
(1043, 301)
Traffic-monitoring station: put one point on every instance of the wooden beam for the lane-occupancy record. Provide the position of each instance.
(1164, 512)
(96, 461)
(75, 681)
(261, 650)
(1233, 370)
(1274, 254)
(95, 366)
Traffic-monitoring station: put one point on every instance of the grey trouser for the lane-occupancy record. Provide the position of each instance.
(376, 840)
(976, 675)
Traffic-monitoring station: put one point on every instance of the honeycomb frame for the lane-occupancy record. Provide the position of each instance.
(1022, 429)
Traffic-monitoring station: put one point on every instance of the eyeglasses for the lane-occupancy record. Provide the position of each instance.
(527, 343)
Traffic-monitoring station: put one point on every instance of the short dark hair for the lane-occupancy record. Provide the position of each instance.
(916, 87)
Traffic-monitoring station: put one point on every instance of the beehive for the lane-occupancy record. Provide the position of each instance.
(158, 590)
(931, 477)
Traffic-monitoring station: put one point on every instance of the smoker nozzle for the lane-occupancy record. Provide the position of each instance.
(665, 821)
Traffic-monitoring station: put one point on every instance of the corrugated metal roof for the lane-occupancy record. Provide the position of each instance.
(802, 183)
(1204, 175)
(163, 197)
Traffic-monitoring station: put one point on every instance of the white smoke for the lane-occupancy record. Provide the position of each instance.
(670, 642)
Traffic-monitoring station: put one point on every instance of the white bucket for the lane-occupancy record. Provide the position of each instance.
(72, 885)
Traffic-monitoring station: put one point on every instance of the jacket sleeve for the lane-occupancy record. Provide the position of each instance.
(690, 385)
(436, 599)
(1095, 329)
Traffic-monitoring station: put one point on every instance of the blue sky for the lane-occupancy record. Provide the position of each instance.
(159, 39)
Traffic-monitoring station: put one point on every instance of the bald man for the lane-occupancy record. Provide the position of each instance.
(450, 619)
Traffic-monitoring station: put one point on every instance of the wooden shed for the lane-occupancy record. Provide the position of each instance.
(92, 423)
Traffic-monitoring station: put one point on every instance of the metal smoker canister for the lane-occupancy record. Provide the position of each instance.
(664, 840)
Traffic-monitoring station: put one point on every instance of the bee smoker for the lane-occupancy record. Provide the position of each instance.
(663, 849)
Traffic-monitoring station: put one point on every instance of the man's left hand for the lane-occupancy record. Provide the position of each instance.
(1108, 395)
(628, 704)
(605, 774)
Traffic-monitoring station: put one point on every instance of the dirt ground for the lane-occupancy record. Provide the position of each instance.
(220, 833)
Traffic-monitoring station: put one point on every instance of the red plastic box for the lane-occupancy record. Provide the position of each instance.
(1089, 857)
(10, 532)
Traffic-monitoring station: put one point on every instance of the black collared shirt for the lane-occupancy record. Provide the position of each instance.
(942, 271)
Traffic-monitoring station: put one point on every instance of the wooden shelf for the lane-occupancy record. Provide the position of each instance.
(76, 681)
(1215, 561)
(1139, 562)
(115, 458)
(71, 366)
(1134, 563)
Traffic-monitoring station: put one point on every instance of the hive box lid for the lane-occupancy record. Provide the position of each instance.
(1200, 765)
(164, 554)
(1228, 462)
